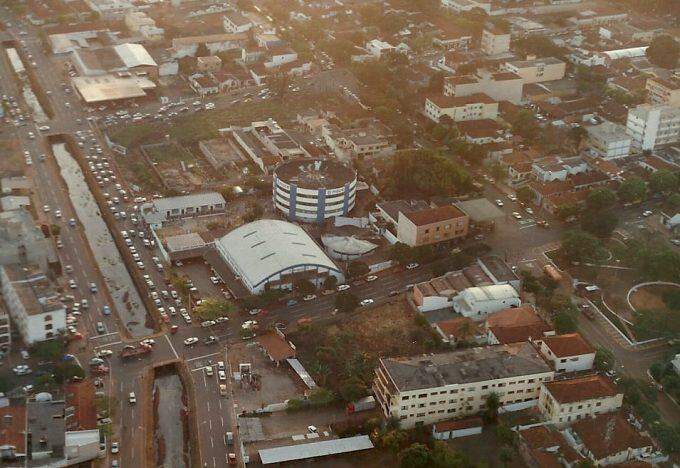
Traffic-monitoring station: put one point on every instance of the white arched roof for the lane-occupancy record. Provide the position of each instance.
(262, 249)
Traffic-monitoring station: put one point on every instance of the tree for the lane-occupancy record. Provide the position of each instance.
(401, 253)
(48, 350)
(506, 455)
(632, 190)
(426, 174)
(524, 124)
(352, 389)
(581, 246)
(674, 201)
(202, 50)
(600, 199)
(663, 181)
(493, 403)
(416, 456)
(576, 135)
(664, 51)
(525, 195)
(211, 308)
(444, 457)
(599, 223)
(55, 229)
(604, 359)
(566, 211)
(565, 323)
(357, 268)
(346, 301)
(330, 282)
(304, 287)
(278, 84)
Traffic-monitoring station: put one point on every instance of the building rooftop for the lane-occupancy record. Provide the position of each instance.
(480, 210)
(393, 208)
(237, 18)
(111, 88)
(80, 397)
(546, 440)
(571, 344)
(315, 449)
(46, 424)
(535, 62)
(134, 55)
(581, 388)
(37, 293)
(208, 39)
(161, 205)
(434, 215)
(12, 427)
(315, 174)
(514, 317)
(265, 248)
(445, 102)
(608, 132)
(464, 366)
(276, 346)
(608, 434)
(458, 424)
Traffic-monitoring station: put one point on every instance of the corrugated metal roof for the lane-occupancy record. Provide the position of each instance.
(315, 449)
(134, 55)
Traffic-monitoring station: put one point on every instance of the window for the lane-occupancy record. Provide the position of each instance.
(484, 387)
(405, 397)
(433, 403)
(48, 317)
(431, 412)
(453, 391)
(420, 415)
(48, 326)
(422, 395)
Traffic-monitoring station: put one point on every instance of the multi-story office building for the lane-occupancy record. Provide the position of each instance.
(564, 401)
(609, 140)
(432, 225)
(427, 389)
(660, 91)
(653, 126)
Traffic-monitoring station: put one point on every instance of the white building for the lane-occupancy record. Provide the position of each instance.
(495, 41)
(314, 190)
(33, 303)
(476, 106)
(568, 353)
(273, 254)
(215, 43)
(499, 86)
(22, 242)
(377, 48)
(556, 168)
(564, 401)
(538, 70)
(609, 140)
(478, 302)
(5, 330)
(162, 210)
(653, 126)
(428, 389)
(234, 22)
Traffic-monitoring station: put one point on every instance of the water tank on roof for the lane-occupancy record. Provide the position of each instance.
(43, 396)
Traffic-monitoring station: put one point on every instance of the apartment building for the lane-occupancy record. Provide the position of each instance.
(537, 70)
(609, 140)
(498, 85)
(652, 126)
(564, 401)
(663, 92)
(432, 225)
(568, 353)
(33, 303)
(427, 389)
(494, 40)
(5, 330)
(22, 242)
(364, 139)
(476, 106)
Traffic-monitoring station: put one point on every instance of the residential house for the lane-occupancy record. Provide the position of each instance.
(455, 330)
(609, 140)
(473, 107)
(546, 447)
(481, 132)
(568, 353)
(377, 48)
(537, 70)
(609, 439)
(557, 168)
(516, 325)
(429, 389)
(215, 43)
(210, 63)
(33, 302)
(565, 401)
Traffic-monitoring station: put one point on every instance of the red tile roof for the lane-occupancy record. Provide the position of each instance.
(609, 434)
(581, 388)
(542, 437)
(458, 424)
(571, 344)
(276, 347)
(434, 215)
(509, 335)
(514, 317)
(453, 327)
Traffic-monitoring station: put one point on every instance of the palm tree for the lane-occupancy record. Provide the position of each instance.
(492, 404)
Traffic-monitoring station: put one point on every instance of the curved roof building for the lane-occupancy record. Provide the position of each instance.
(314, 189)
(273, 253)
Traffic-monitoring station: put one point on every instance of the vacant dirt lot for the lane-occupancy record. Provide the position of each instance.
(650, 297)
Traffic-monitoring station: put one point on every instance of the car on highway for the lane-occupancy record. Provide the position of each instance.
(499, 202)
(529, 211)
(72, 222)
(343, 287)
(72, 284)
(223, 390)
(93, 288)
(371, 278)
(516, 215)
(222, 375)
(412, 266)
(103, 353)
(309, 297)
(114, 447)
(512, 197)
(190, 341)
(46, 208)
(366, 302)
(132, 398)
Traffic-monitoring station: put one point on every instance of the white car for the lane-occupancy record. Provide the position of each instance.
(46, 208)
(343, 287)
(208, 323)
(104, 353)
(366, 302)
(114, 447)
(214, 280)
(529, 211)
(499, 202)
(516, 215)
(309, 297)
(57, 213)
(209, 371)
(148, 342)
(371, 278)
(72, 284)
(222, 375)
(190, 341)
(647, 213)
(412, 266)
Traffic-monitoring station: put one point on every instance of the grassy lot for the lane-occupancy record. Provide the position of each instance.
(169, 153)
(188, 129)
(12, 160)
(137, 172)
(342, 356)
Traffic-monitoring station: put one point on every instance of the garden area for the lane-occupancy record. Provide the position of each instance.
(342, 357)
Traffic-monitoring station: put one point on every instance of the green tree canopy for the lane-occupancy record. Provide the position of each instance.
(416, 456)
(426, 174)
(600, 199)
(566, 211)
(663, 181)
(599, 223)
(664, 51)
(525, 195)
(211, 308)
(565, 323)
(304, 287)
(581, 246)
(604, 359)
(346, 301)
(357, 268)
(524, 124)
(632, 190)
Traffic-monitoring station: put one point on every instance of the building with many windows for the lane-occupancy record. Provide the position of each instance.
(663, 92)
(313, 190)
(5, 330)
(426, 389)
(653, 126)
(494, 40)
(33, 303)
(459, 109)
(162, 210)
(538, 70)
(609, 140)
